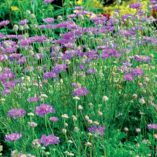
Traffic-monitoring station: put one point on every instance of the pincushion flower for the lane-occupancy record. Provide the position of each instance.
(135, 5)
(48, 1)
(33, 99)
(97, 129)
(44, 109)
(137, 72)
(4, 23)
(128, 77)
(81, 91)
(152, 126)
(13, 137)
(49, 140)
(16, 112)
(53, 119)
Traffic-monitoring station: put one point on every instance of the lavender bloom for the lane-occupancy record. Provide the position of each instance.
(23, 22)
(49, 75)
(33, 99)
(80, 91)
(3, 57)
(154, 7)
(135, 5)
(22, 60)
(48, 1)
(110, 52)
(97, 130)
(90, 71)
(54, 119)
(16, 112)
(48, 20)
(44, 109)
(6, 91)
(128, 77)
(59, 68)
(152, 126)
(4, 23)
(153, 1)
(6, 75)
(9, 84)
(137, 72)
(81, 67)
(142, 58)
(49, 140)
(25, 42)
(13, 137)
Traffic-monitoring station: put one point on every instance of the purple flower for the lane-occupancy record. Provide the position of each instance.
(91, 71)
(4, 23)
(110, 52)
(135, 5)
(48, 20)
(81, 91)
(6, 75)
(137, 72)
(13, 137)
(59, 68)
(48, 1)
(152, 126)
(44, 109)
(50, 74)
(142, 58)
(128, 77)
(16, 112)
(54, 119)
(23, 22)
(49, 140)
(33, 99)
(97, 130)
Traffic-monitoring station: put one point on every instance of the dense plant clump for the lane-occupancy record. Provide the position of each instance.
(79, 84)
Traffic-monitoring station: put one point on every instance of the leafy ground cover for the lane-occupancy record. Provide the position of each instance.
(78, 84)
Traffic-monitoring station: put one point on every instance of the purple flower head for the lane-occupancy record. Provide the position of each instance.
(13, 137)
(4, 23)
(48, 1)
(153, 1)
(152, 126)
(110, 52)
(3, 57)
(6, 91)
(44, 109)
(23, 22)
(59, 68)
(80, 91)
(145, 59)
(128, 77)
(154, 7)
(54, 119)
(81, 67)
(49, 75)
(48, 20)
(8, 84)
(49, 140)
(33, 99)
(135, 5)
(90, 71)
(97, 130)
(16, 112)
(137, 72)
